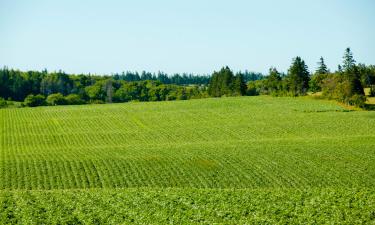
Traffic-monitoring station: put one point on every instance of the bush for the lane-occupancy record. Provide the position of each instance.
(316, 82)
(3, 103)
(74, 99)
(56, 99)
(252, 89)
(357, 100)
(35, 100)
(97, 101)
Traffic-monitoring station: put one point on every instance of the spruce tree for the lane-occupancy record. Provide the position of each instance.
(273, 82)
(322, 67)
(352, 74)
(348, 62)
(222, 83)
(239, 85)
(298, 77)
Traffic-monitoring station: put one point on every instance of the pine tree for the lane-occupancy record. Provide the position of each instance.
(239, 85)
(273, 82)
(352, 74)
(298, 77)
(348, 61)
(222, 83)
(322, 67)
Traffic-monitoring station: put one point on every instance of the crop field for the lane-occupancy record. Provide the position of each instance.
(229, 160)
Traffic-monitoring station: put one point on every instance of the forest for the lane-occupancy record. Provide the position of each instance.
(34, 88)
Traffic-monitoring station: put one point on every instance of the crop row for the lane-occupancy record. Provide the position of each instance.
(189, 206)
(238, 165)
(214, 143)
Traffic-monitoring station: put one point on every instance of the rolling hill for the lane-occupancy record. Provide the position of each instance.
(228, 160)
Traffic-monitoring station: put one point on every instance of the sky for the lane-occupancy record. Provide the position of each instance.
(194, 36)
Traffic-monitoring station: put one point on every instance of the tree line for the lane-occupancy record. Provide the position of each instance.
(35, 88)
(345, 85)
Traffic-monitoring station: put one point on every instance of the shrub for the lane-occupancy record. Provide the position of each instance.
(56, 99)
(3, 103)
(252, 89)
(74, 99)
(357, 100)
(35, 100)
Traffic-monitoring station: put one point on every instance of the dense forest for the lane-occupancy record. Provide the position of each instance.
(34, 88)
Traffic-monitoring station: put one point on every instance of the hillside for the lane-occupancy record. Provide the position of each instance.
(283, 148)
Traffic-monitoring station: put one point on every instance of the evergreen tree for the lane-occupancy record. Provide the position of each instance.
(320, 75)
(273, 81)
(339, 68)
(352, 74)
(226, 78)
(298, 77)
(239, 85)
(322, 67)
(348, 62)
(223, 83)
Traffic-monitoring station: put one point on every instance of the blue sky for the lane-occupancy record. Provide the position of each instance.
(108, 36)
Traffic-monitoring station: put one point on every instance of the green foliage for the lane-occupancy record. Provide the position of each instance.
(224, 83)
(316, 82)
(35, 100)
(189, 206)
(74, 99)
(58, 82)
(348, 60)
(345, 85)
(367, 74)
(272, 84)
(3, 103)
(56, 99)
(155, 91)
(322, 67)
(297, 81)
(239, 85)
(372, 91)
(96, 91)
(357, 100)
(252, 88)
(17, 85)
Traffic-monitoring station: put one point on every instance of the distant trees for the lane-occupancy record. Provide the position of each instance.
(294, 83)
(297, 80)
(345, 85)
(178, 79)
(321, 73)
(273, 84)
(224, 83)
(36, 88)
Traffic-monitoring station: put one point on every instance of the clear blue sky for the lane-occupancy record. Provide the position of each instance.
(198, 36)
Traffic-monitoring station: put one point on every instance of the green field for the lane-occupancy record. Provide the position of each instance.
(228, 160)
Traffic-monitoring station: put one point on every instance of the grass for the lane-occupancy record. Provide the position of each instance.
(301, 152)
